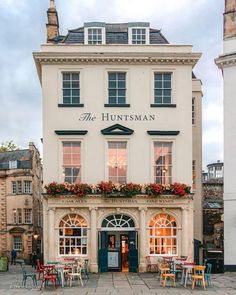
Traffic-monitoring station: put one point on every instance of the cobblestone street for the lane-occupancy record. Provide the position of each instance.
(116, 283)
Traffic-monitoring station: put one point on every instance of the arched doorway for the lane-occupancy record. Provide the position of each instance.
(118, 244)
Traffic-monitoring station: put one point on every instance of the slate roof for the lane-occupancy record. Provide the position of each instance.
(115, 34)
(23, 158)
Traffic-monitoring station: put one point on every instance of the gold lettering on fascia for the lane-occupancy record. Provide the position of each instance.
(161, 201)
(122, 201)
(73, 201)
(107, 117)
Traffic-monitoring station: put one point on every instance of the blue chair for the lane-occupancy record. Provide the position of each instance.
(207, 274)
(28, 275)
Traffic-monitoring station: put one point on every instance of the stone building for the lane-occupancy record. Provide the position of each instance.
(120, 103)
(21, 202)
(213, 210)
(227, 63)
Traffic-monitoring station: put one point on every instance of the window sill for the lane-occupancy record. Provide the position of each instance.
(70, 105)
(117, 105)
(163, 105)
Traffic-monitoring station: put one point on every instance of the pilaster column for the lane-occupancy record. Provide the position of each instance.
(142, 239)
(93, 240)
(51, 234)
(185, 227)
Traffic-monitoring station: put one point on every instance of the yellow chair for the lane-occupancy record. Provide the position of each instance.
(198, 275)
(165, 274)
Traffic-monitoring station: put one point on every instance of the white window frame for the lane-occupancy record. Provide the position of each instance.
(72, 70)
(106, 84)
(117, 87)
(161, 139)
(60, 151)
(73, 237)
(176, 237)
(70, 88)
(17, 217)
(14, 187)
(27, 189)
(27, 215)
(121, 139)
(103, 29)
(19, 243)
(13, 164)
(161, 70)
(71, 167)
(130, 35)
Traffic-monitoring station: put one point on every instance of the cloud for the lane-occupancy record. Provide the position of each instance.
(22, 31)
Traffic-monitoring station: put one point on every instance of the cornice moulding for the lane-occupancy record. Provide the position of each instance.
(133, 58)
(226, 60)
(166, 58)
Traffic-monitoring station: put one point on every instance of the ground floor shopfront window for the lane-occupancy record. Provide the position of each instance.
(163, 235)
(73, 235)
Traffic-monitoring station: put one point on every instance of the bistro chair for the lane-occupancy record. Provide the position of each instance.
(207, 274)
(166, 274)
(198, 275)
(39, 268)
(76, 273)
(84, 268)
(48, 275)
(151, 265)
(28, 275)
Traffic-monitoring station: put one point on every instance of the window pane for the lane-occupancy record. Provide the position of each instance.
(163, 162)
(116, 88)
(75, 99)
(66, 84)
(66, 100)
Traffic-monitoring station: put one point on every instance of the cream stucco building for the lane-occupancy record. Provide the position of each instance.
(227, 63)
(119, 103)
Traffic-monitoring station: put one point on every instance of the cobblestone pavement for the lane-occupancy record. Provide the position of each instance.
(116, 283)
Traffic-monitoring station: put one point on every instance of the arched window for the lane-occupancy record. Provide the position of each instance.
(73, 235)
(163, 235)
(118, 221)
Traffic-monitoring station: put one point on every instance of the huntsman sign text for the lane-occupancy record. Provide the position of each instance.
(89, 117)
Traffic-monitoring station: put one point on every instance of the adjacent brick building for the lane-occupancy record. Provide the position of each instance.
(20, 202)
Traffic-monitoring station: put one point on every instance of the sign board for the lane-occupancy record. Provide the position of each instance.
(113, 259)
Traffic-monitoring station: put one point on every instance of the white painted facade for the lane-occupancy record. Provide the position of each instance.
(227, 63)
(140, 63)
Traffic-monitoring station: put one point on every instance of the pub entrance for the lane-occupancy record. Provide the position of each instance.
(118, 244)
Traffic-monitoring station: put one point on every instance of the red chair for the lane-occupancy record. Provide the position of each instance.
(151, 265)
(49, 275)
(39, 268)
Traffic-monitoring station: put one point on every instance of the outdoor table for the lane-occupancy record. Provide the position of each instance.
(185, 272)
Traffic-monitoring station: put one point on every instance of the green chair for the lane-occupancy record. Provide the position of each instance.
(28, 275)
(207, 274)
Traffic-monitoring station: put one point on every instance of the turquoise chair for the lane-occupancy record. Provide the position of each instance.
(28, 275)
(207, 274)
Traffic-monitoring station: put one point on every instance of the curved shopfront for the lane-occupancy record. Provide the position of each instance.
(117, 234)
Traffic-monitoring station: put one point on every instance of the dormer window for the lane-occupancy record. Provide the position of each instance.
(12, 164)
(138, 33)
(138, 36)
(94, 33)
(94, 36)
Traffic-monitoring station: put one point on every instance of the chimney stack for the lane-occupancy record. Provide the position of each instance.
(53, 23)
(230, 19)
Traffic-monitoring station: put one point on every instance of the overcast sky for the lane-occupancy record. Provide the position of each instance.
(22, 23)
